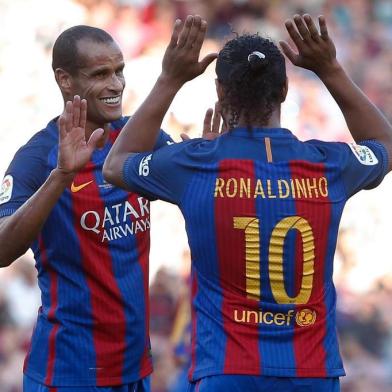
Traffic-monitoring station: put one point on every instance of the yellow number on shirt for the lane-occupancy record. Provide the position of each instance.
(275, 258)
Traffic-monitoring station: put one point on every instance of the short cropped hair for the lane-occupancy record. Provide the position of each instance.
(65, 52)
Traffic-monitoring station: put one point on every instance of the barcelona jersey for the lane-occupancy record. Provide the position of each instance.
(262, 212)
(92, 262)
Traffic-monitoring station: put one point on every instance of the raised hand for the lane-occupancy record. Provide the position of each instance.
(181, 60)
(74, 151)
(212, 127)
(316, 51)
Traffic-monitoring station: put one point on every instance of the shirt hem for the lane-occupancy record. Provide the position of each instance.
(272, 372)
(90, 382)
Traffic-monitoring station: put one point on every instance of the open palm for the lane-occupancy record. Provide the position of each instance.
(74, 150)
(316, 50)
(181, 59)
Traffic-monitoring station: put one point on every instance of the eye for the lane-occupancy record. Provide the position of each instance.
(101, 75)
(119, 72)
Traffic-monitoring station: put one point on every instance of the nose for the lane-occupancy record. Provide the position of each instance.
(117, 83)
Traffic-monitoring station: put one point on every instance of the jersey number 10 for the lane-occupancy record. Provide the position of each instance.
(275, 258)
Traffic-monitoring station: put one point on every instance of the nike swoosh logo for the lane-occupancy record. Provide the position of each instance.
(77, 188)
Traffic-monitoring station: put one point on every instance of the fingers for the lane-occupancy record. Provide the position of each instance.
(183, 36)
(83, 113)
(302, 28)
(224, 128)
(68, 116)
(311, 27)
(207, 121)
(216, 119)
(195, 31)
(94, 139)
(207, 61)
(306, 30)
(212, 123)
(294, 35)
(76, 111)
(192, 34)
(288, 52)
(175, 34)
(200, 31)
(62, 127)
(184, 137)
(323, 27)
(74, 116)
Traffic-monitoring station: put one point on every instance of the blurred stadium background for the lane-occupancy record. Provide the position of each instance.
(362, 30)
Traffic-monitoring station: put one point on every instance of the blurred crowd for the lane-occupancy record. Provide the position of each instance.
(362, 31)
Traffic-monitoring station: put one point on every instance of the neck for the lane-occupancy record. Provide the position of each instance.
(272, 122)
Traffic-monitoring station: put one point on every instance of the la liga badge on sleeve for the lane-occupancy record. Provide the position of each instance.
(364, 154)
(6, 189)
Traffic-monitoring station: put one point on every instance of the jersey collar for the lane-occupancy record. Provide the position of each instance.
(261, 132)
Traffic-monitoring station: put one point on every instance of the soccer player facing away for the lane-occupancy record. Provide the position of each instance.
(262, 208)
(90, 239)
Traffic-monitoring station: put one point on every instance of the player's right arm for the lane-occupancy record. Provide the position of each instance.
(19, 230)
(317, 52)
(22, 227)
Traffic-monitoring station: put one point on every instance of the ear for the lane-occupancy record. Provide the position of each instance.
(285, 89)
(64, 80)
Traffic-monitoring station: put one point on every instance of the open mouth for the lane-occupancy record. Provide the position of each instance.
(111, 100)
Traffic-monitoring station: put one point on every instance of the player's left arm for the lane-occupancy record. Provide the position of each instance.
(180, 64)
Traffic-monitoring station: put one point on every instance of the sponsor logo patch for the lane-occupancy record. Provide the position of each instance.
(77, 188)
(6, 189)
(305, 317)
(144, 169)
(364, 154)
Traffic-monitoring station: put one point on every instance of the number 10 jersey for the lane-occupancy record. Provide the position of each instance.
(262, 212)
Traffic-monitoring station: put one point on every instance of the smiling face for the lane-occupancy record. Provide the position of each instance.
(99, 79)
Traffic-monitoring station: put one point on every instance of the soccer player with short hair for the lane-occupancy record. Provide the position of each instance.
(90, 239)
(262, 208)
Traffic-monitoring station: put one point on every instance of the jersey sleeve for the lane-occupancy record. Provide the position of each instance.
(361, 166)
(24, 176)
(163, 139)
(365, 166)
(160, 174)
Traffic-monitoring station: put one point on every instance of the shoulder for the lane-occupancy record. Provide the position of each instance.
(332, 151)
(191, 148)
(367, 152)
(42, 142)
(118, 124)
(320, 144)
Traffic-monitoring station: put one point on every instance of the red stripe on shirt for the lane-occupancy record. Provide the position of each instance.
(108, 313)
(309, 348)
(51, 313)
(113, 135)
(242, 344)
(143, 247)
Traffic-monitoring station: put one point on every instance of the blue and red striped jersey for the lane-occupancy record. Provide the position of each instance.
(262, 212)
(92, 262)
